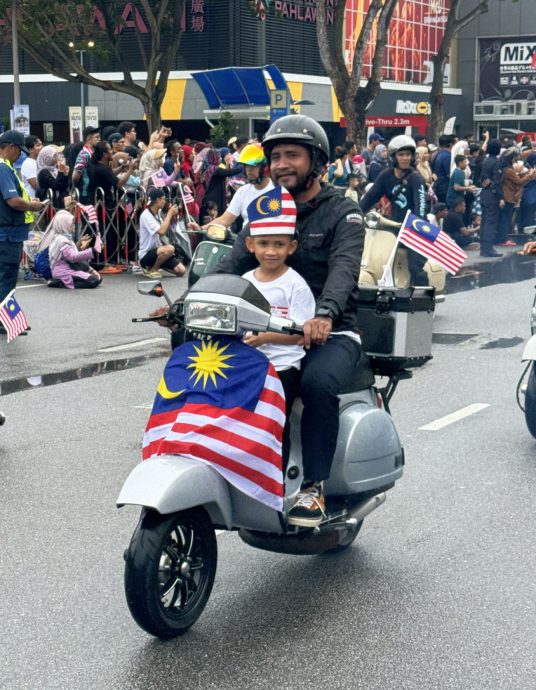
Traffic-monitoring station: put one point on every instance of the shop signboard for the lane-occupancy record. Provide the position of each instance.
(75, 124)
(507, 69)
(91, 116)
(21, 119)
(419, 121)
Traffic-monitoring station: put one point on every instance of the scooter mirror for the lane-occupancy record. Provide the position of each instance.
(150, 287)
(372, 219)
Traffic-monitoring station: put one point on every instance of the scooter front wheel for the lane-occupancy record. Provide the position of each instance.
(530, 401)
(169, 570)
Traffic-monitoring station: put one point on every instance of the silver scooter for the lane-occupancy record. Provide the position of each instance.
(171, 559)
(526, 387)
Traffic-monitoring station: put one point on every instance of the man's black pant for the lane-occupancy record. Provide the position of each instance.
(10, 256)
(325, 370)
(419, 277)
(490, 220)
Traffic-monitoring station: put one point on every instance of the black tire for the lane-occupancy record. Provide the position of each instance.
(169, 571)
(2, 419)
(348, 539)
(530, 401)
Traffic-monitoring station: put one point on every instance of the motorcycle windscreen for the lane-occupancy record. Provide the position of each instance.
(221, 402)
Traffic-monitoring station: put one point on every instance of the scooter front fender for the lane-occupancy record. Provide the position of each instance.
(171, 483)
(530, 350)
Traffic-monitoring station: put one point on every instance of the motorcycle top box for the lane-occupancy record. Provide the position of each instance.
(396, 326)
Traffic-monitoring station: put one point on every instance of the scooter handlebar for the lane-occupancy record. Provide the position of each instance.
(280, 325)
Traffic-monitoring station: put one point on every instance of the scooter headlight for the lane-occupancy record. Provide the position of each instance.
(217, 232)
(210, 317)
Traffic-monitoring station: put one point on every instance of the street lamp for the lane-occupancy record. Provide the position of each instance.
(80, 52)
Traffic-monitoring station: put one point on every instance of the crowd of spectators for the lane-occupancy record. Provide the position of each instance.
(479, 193)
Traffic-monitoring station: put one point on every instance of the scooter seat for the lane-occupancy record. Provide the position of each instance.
(363, 376)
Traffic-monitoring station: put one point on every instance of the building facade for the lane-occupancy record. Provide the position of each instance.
(496, 65)
(223, 33)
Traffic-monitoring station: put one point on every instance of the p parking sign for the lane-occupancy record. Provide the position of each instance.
(279, 104)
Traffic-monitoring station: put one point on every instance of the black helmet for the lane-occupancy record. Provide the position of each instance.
(302, 130)
(298, 129)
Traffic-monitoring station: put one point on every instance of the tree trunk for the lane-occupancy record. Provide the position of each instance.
(151, 107)
(437, 101)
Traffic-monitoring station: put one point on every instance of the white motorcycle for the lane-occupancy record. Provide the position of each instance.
(526, 387)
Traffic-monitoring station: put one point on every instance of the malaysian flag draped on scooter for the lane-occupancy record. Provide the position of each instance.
(221, 402)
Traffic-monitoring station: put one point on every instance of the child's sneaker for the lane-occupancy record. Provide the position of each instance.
(309, 508)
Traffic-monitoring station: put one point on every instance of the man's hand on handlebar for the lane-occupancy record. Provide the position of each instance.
(316, 331)
(529, 248)
(163, 312)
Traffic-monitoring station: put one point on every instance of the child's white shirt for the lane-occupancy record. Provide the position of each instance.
(290, 297)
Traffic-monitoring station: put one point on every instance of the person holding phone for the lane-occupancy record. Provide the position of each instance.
(155, 249)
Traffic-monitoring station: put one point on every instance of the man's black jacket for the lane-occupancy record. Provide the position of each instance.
(331, 236)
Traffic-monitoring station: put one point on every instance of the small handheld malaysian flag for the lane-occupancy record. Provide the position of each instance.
(12, 317)
(430, 241)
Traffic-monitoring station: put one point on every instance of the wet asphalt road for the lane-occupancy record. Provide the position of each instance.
(437, 592)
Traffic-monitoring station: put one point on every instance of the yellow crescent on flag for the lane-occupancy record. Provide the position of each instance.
(420, 226)
(259, 205)
(164, 391)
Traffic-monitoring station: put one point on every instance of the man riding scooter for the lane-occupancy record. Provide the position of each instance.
(330, 235)
(404, 187)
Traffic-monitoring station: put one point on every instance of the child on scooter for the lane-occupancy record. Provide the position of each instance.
(272, 239)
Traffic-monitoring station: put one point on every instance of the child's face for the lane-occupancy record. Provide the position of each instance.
(271, 251)
(353, 183)
(476, 221)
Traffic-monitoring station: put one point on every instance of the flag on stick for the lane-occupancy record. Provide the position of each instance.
(430, 241)
(12, 317)
(90, 211)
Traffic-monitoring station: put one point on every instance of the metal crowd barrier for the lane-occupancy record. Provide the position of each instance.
(118, 222)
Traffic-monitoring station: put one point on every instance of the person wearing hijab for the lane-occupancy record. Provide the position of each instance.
(52, 174)
(213, 179)
(186, 163)
(378, 162)
(68, 263)
(152, 172)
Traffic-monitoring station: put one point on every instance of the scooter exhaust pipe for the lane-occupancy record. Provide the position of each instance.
(361, 512)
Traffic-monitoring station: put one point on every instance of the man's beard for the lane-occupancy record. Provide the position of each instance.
(300, 185)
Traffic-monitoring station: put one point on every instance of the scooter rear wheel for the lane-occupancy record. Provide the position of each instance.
(530, 401)
(169, 570)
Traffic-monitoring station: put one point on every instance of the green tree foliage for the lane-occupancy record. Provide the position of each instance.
(53, 33)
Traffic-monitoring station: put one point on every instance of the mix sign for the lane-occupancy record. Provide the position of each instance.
(507, 68)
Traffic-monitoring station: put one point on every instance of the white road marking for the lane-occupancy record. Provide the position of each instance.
(143, 407)
(27, 287)
(454, 417)
(131, 346)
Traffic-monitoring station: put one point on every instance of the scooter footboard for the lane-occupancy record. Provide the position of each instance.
(171, 483)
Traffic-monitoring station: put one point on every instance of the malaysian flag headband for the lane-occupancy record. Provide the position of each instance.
(273, 213)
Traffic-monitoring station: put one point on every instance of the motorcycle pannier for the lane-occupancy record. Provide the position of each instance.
(396, 326)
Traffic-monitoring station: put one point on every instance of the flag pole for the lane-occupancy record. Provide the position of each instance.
(387, 279)
(184, 204)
